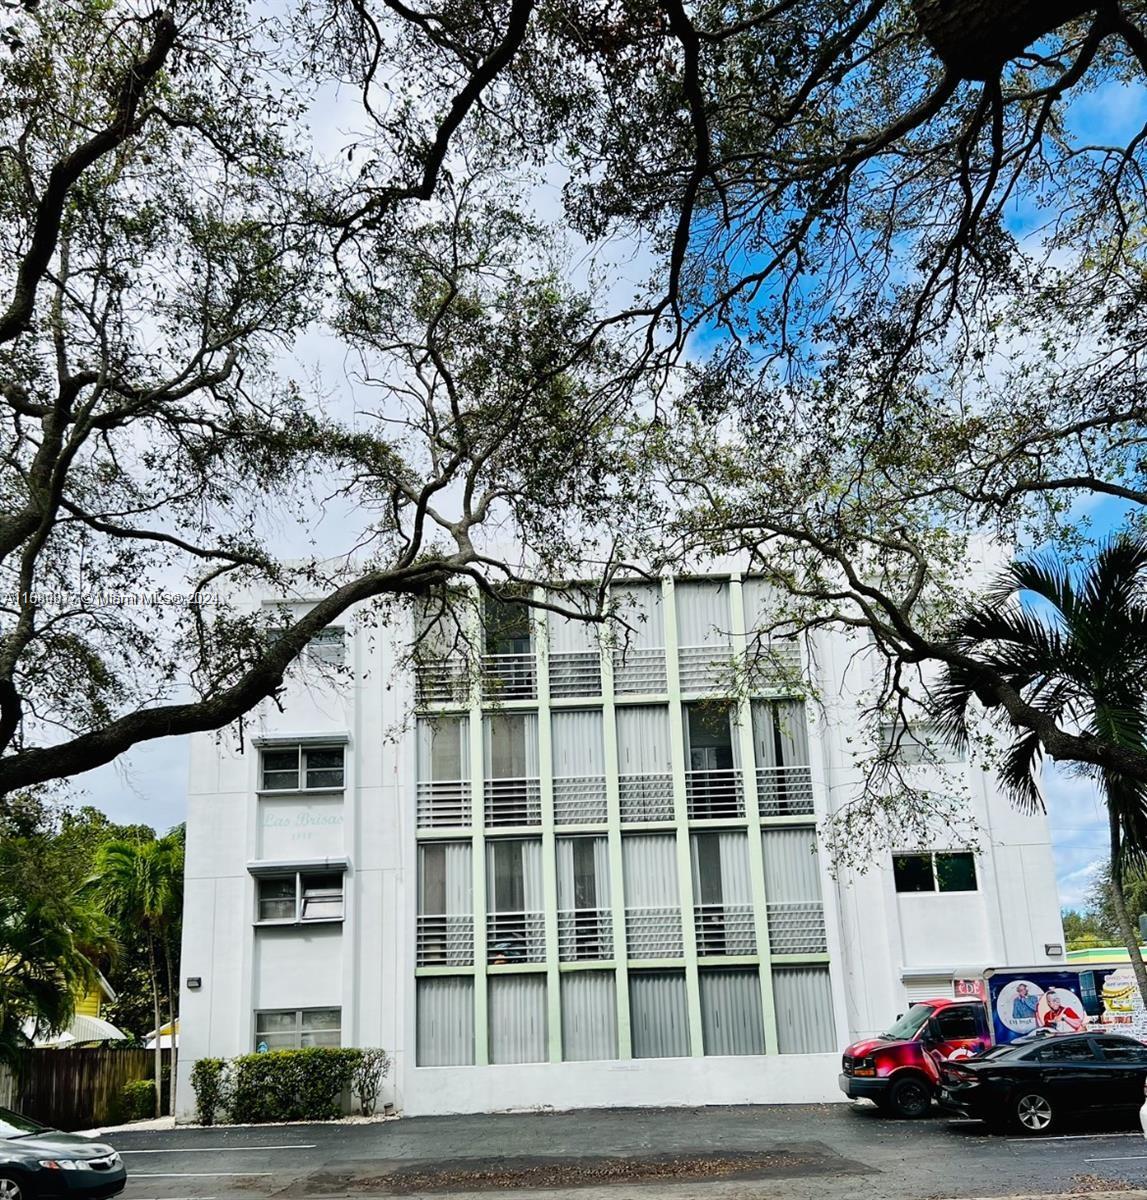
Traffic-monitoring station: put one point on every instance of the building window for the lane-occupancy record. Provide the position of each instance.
(943, 871)
(328, 646)
(918, 742)
(297, 1028)
(301, 768)
(301, 896)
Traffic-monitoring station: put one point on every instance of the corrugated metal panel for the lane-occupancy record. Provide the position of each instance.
(643, 739)
(734, 885)
(638, 605)
(518, 1019)
(802, 997)
(928, 987)
(703, 613)
(511, 742)
(589, 1016)
(649, 862)
(567, 890)
(731, 1012)
(658, 1014)
(792, 870)
(578, 745)
(443, 748)
(780, 733)
(446, 1022)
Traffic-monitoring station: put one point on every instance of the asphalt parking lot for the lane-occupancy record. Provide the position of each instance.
(798, 1152)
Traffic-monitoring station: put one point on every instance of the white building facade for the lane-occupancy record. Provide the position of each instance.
(592, 879)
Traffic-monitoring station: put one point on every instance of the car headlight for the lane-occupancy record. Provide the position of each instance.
(59, 1164)
(864, 1066)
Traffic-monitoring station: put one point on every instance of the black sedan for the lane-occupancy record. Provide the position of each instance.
(1036, 1083)
(38, 1163)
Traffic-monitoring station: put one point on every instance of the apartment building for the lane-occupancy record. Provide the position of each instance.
(546, 871)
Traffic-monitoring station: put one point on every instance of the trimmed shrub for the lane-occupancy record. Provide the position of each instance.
(138, 1099)
(209, 1082)
(291, 1085)
(368, 1077)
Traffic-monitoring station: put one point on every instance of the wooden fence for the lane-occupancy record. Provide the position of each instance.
(80, 1088)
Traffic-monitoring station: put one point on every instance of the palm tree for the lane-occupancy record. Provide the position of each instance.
(141, 883)
(1074, 645)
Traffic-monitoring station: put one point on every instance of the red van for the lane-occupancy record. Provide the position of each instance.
(900, 1069)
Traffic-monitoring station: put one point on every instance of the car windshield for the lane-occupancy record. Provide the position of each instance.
(13, 1125)
(999, 1051)
(910, 1024)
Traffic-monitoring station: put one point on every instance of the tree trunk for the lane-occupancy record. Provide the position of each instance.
(158, 1020)
(170, 1017)
(1119, 903)
(974, 38)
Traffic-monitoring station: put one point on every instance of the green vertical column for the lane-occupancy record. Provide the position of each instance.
(616, 867)
(681, 817)
(478, 863)
(748, 758)
(549, 850)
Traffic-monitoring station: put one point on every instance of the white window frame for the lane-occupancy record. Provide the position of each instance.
(935, 889)
(919, 744)
(301, 749)
(328, 646)
(299, 917)
(298, 1031)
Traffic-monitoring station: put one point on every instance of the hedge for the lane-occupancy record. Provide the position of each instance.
(286, 1085)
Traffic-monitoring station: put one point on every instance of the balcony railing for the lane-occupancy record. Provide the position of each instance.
(654, 932)
(442, 681)
(585, 933)
(639, 671)
(796, 929)
(784, 791)
(705, 668)
(579, 800)
(575, 674)
(509, 677)
(774, 662)
(513, 802)
(445, 940)
(724, 929)
(443, 802)
(712, 795)
(515, 937)
(645, 797)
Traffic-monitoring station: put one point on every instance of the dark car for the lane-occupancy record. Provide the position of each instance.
(1036, 1083)
(38, 1163)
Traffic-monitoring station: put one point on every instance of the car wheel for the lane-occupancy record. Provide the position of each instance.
(1034, 1113)
(910, 1098)
(12, 1189)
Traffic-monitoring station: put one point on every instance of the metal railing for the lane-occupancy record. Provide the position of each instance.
(724, 929)
(442, 681)
(585, 933)
(654, 933)
(705, 668)
(513, 801)
(645, 797)
(509, 677)
(443, 802)
(784, 791)
(445, 940)
(639, 671)
(580, 800)
(796, 928)
(515, 937)
(712, 795)
(575, 674)
(773, 662)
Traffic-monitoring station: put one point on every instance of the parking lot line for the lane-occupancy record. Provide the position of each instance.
(199, 1174)
(220, 1149)
(1125, 1158)
(1071, 1137)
